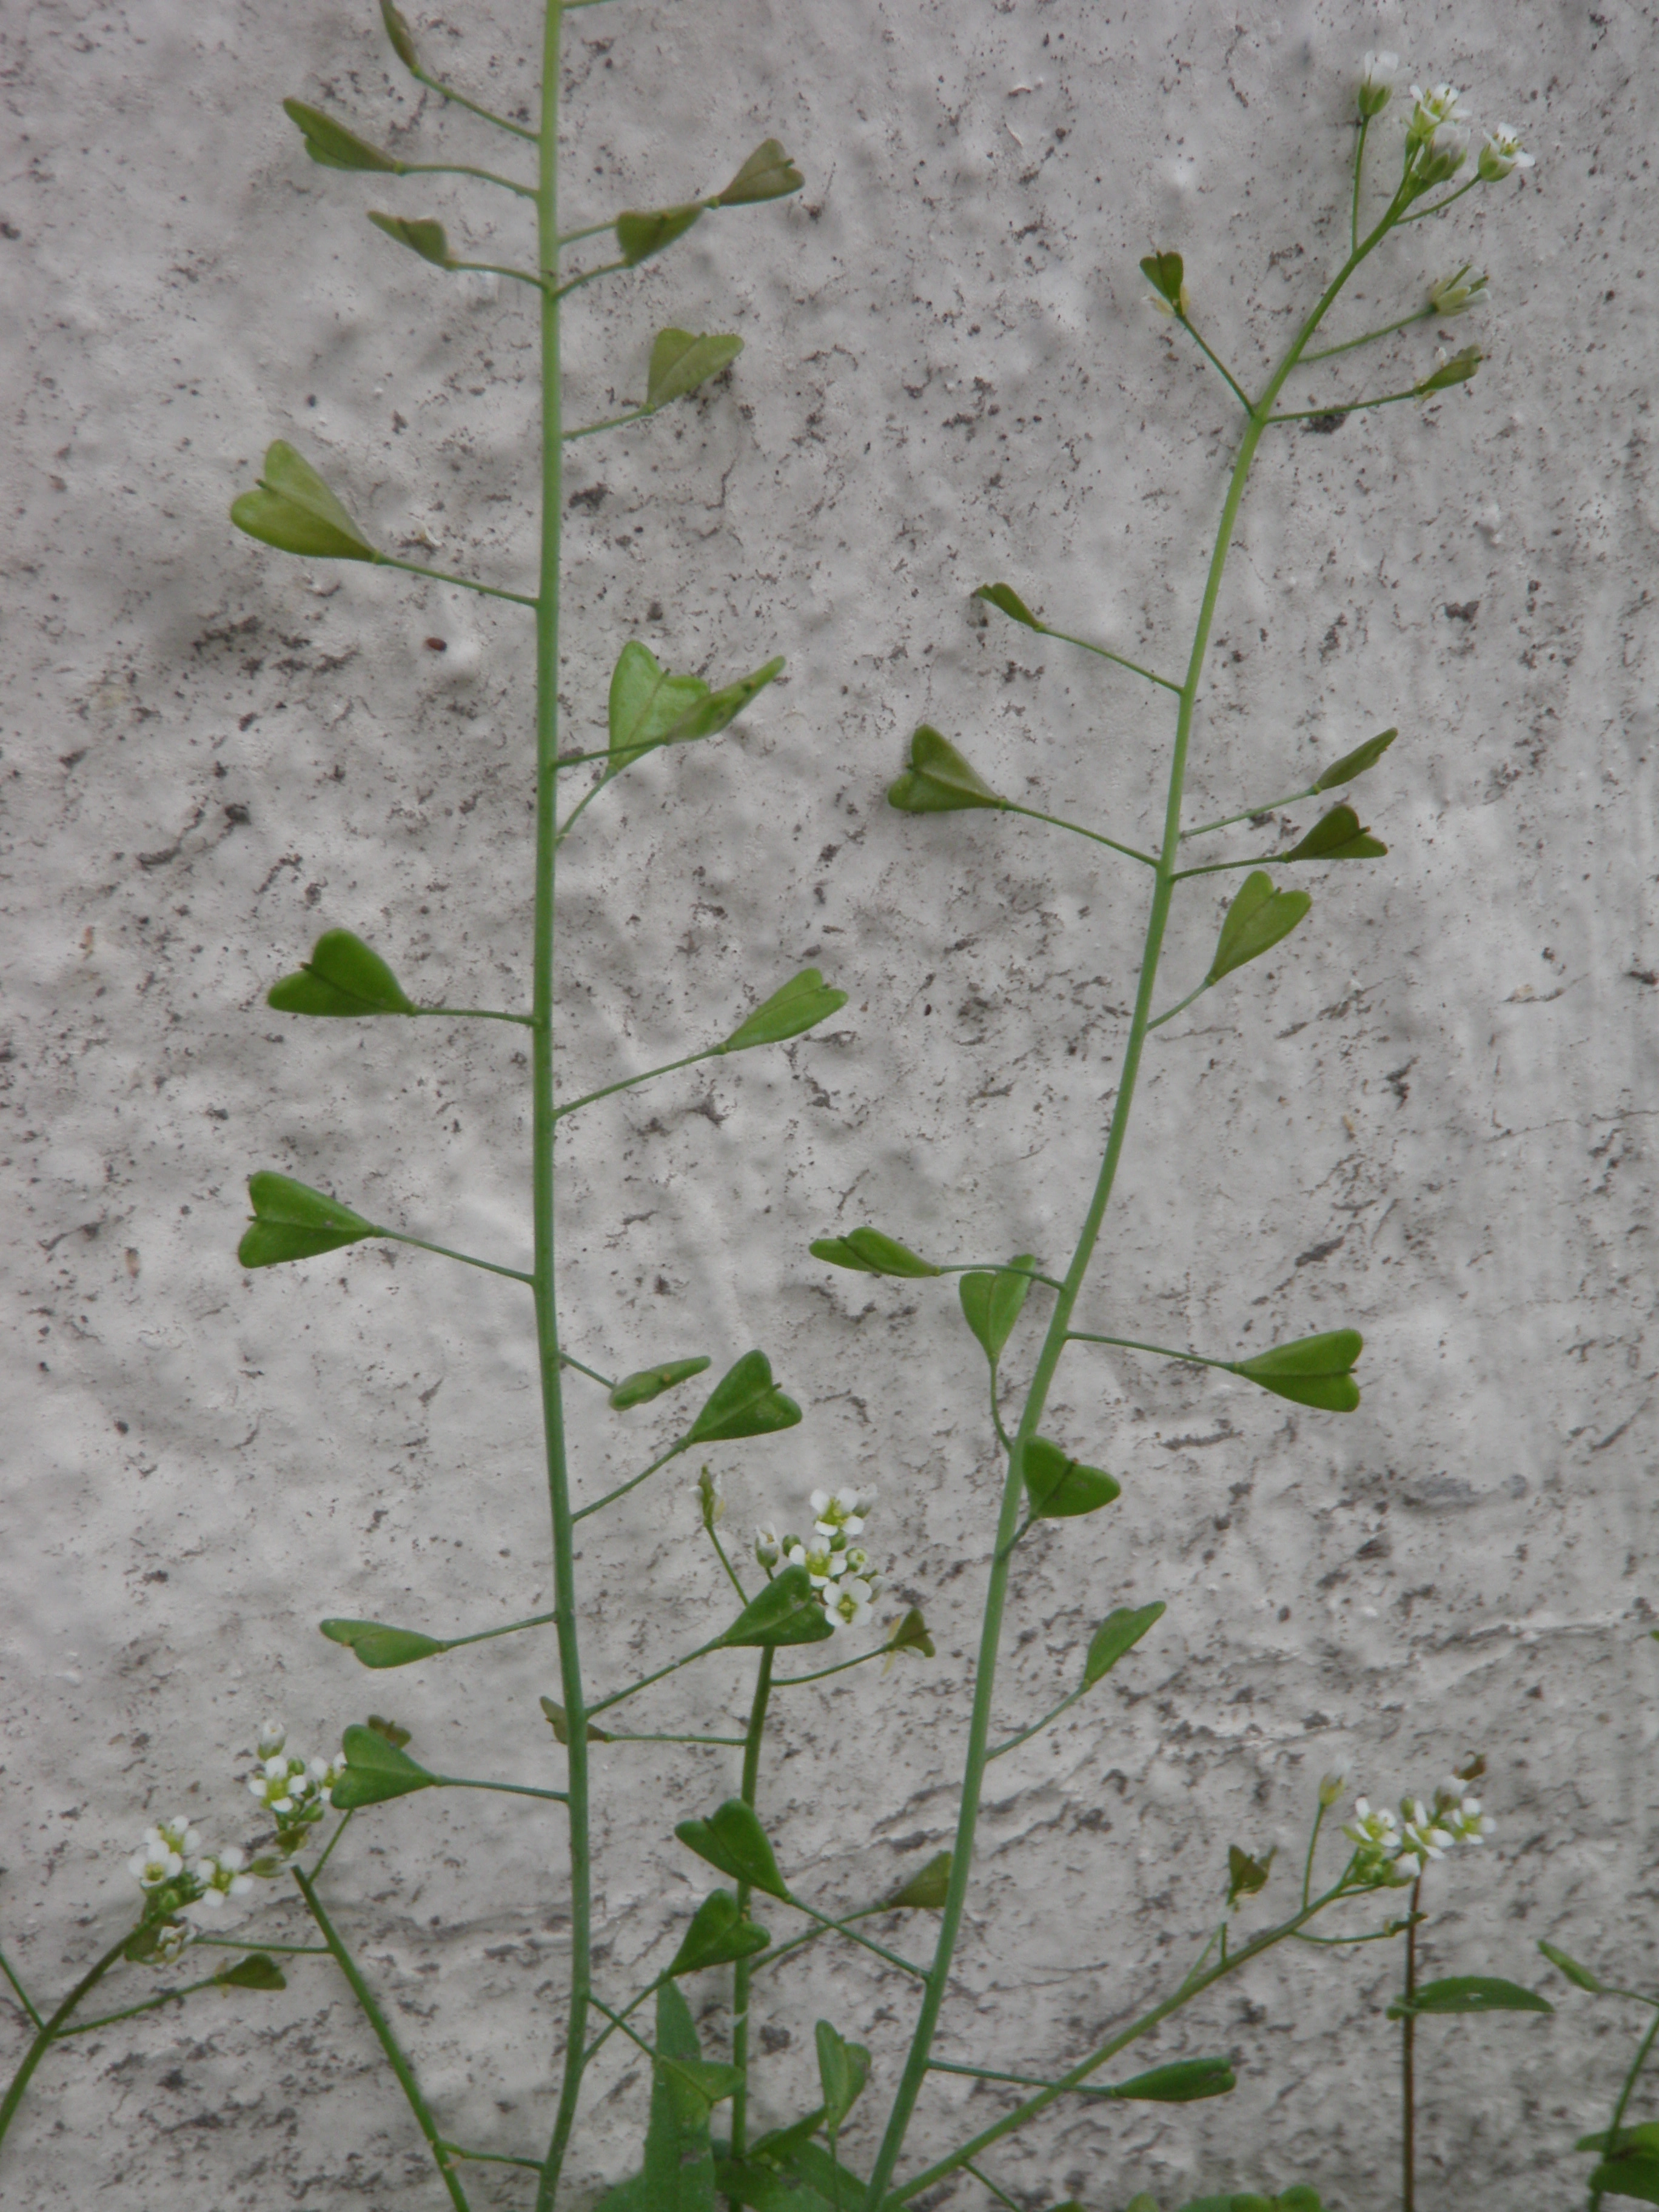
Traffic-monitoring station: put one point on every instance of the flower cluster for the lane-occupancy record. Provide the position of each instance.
(838, 1567)
(1437, 136)
(1391, 1851)
(294, 1790)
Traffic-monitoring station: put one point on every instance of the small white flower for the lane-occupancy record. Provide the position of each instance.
(173, 1937)
(156, 1862)
(1466, 1822)
(1407, 1867)
(1502, 153)
(272, 1736)
(822, 1561)
(1442, 103)
(768, 1547)
(838, 1513)
(220, 1877)
(1421, 1835)
(1452, 294)
(1372, 1831)
(1376, 75)
(180, 1836)
(848, 1603)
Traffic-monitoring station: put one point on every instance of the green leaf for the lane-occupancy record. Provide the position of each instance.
(1643, 2138)
(744, 1402)
(1184, 2082)
(939, 780)
(1461, 1993)
(342, 977)
(1581, 1978)
(1060, 1487)
(1142, 2203)
(294, 511)
(1164, 273)
(844, 2070)
(420, 234)
(1337, 836)
(718, 1935)
(681, 360)
(785, 1612)
(1635, 2176)
(768, 174)
(259, 1971)
(1458, 370)
(334, 146)
(759, 2184)
(559, 1721)
(795, 1006)
(1257, 919)
(646, 701)
(1007, 601)
(647, 1383)
(641, 233)
(377, 1646)
(375, 1771)
(926, 1890)
(712, 714)
(1356, 763)
(1121, 1631)
(734, 1843)
(1313, 1370)
(1245, 1875)
(403, 42)
(291, 1221)
(911, 1635)
(678, 2174)
(1298, 2197)
(868, 1252)
(991, 1304)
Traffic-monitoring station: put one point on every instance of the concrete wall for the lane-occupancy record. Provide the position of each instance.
(1427, 1116)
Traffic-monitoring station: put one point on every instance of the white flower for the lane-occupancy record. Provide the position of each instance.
(1376, 83)
(1373, 1831)
(1421, 1836)
(822, 1561)
(1502, 153)
(839, 1514)
(170, 1940)
(1466, 1822)
(849, 1603)
(1443, 155)
(272, 1736)
(1442, 103)
(220, 1877)
(156, 1862)
(768, 1547)
(1452, 294)
(180, 1836)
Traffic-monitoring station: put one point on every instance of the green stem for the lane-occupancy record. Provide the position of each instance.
(1343, 407)
(488, 1635)
(1626, 2092)
(743, 1973)
(544, 1128)
(460, 169)
(612, 422)
(49, 2029)
(617, 1696)
(23, 1996)
(489, 2157)
(1011, 1742)
(1105, 653)
(782, 1951)
(1214, 359)
(627, 1082)
(1054, 1342)
(1408, 2066)
(466, 1259)
(730, 1572)
(588, 230)
(1358, 174)
(604, 269)
(1250, 813)
(487, 114)
(1159, 1350)
(328, 1848)
(682, 1443)
(1020, 2080)
(1179, 1007)
(1329, 353)
(508, 1788)
(1130, 851)
(985, 2182)
(388, 2042)
(726, 1742)
(820, 1674)
(1313, 1840)
(438, 576)
(476, 1014)
(1440, 206)
(241, 1944)
(865, 1942)
(132, 2012)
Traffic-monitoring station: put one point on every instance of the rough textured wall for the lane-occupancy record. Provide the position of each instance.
(1428, 1115)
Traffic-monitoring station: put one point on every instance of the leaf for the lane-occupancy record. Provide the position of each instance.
(844, 2070)
(342, 977)
(1165, 274)
(559, 1720)
(377, 1646)
(335, 147)
(291, 1221)
(1245, 1875)
(718, 1935)
(1461, 1993)
(768, 174)
(1337, 836)
(641, 233)
(1628, 2177)
(1121, 1631)
(785, 1612)
(926, 1890)
(1313, 1370)
(795, 1006)
(420, 234)
(294, 511)
(678, 2173)
(868, 1252)
(646, 701)
(939, 780)
(911, 1635)
(1581, 1978)
(734, 1843)
(1257, 919)
(1356, 763)
(991, 1303)
(681, 360)
(1184, 2082)
(744, 1402)
(762, 2186)
(259, 1971)
(403, 42)
(1458, 370)
(646, 1383)
(1060, 1488)
(1643, 2138)
(375, 1771)
(1298, 2197)
(1007, 601)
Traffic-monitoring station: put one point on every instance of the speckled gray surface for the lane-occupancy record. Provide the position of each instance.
(1428, 1115)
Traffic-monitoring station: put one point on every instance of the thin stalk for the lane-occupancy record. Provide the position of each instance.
(1440, 206)
(616, 2021)
(729, 1742)
(1130, 851)
(50, 2029)
(1408, 2066)
(488, 1635)
(1161, 1351)
(1135, 668)
(1329, 353)
(627, 1082)
(489, 2157)
(328, 1848)
(132, 2012)
(1054, 1339)
(1313, 1841)
(1358, 174)
(1625, 2096)
(591, 1373)
(1215, 361)
(865, 1942)
(487, 114)
(388, 2042)
(1011, 1742)
(1250, 813)
(782, 1951)
(820, 1674)
(508, 1788)
(730, 1572)
(241, 1944)
(1343, 407)
(743, 1973)
(588, 230)
(1180, 1006)
(461, 169)
(1021, 2081)
(985, 2182)
(23, 1996)
(476, 1014)
(519, 277)
(438, 576)
(466, 1259)
(612, 422)
(682, 1443)
(617, 1697)
(544, 1128)
(604, 269)
(1220, 867)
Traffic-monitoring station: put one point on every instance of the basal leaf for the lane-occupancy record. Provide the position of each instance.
(1007, 601)
(377, 1646)
(641, 233)
(1337, 836)
(1313, 1370)
(768, 174)
(291, 1221)
(375, 1771)
(646, 1383)
(939, 780)
(294, 511)
(1255, 921)
(681, 360)
(420, 234)
(343, 977)
(1060, 1487)
(1121, 1631)
(734, 1842)
(718, 1935)
(335, 147)
(785, 1612)
(991, 1302)
(1643, 2137)
(1356, 763)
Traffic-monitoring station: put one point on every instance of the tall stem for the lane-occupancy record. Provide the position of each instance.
(741, 1976)
(542, 1140)
(1408, 2068)
(1625, 2094)
(48, 2034)
(1054, 1343)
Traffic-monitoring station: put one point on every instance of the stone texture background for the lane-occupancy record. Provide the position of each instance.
(1429, 1114)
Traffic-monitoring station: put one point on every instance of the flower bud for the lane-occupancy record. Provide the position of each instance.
(1333, 1783)
(1452, 294)
(1502, 153)
(1376, 87)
